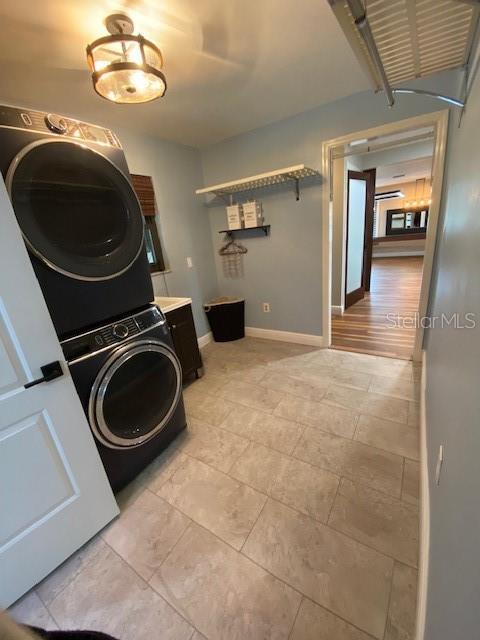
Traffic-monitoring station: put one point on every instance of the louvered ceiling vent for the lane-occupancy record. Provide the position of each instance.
(414, 38)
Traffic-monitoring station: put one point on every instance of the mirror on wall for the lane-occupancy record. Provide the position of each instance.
(406, 221)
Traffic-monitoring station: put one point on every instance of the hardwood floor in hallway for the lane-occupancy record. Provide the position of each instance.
(365, 326)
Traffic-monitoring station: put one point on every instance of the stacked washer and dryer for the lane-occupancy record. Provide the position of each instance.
(83, 227)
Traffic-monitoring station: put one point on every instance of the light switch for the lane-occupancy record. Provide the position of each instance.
(189, 262)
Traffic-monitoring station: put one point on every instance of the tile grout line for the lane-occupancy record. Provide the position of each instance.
(403, 479)
(173, 547)
(355, 431)
(322, 522)
(353, 438)
(349, 477)
(389, 603)
(259, 491)
(345, 620)
(253, 526)
(295, 457)
(244, 556)
(295, 618)
(302, 433)
(98, 535)
(46, 607)
(147, 582)
(321, 401)
(306, 597)
(249, 438)
(364, 544)
(333, 502)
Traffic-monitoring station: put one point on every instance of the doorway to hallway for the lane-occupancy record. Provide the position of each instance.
(405, 216)
(383, 322)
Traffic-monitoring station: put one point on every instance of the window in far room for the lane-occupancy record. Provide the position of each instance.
(143, 186)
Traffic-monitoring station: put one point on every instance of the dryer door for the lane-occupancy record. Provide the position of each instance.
(135, 394)
(77, 211)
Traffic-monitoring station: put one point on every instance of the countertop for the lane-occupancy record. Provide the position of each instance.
(167, 304)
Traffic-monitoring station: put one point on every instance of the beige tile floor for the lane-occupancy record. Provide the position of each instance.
(289, 510)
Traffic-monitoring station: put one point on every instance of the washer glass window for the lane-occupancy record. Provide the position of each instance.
(77, 211)
(137, 394)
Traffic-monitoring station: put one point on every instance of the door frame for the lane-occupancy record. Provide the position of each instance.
(437, 119)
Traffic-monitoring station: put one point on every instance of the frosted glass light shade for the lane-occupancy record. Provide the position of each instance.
(126, 69)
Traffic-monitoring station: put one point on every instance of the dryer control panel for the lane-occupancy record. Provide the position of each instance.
(111, 334)
(52, 123)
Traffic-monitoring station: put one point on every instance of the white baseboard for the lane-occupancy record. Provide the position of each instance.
(285, 336)
(337, 309)
(424, 512)
(205, 339)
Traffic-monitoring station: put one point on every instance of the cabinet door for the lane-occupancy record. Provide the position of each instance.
(184, 338)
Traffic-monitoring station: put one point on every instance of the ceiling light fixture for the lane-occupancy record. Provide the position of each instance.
(419, 202)
(125, 68)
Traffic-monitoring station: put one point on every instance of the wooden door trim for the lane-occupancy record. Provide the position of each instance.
(354, 296)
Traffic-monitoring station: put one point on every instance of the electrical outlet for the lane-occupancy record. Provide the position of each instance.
(189, 262)
(266, 307)
(438, 469)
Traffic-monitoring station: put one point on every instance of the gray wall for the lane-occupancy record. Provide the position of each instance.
(285, 269)
(453, 398)
(182, 218)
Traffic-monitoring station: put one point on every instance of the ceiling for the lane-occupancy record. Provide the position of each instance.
(231, 65)
(401, 172)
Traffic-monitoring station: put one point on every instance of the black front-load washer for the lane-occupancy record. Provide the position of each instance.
(79, 216)
(129, 381)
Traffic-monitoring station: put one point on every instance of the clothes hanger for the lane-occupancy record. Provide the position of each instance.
(232, 248)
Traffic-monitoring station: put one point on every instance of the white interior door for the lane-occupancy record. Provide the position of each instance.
(54, 494)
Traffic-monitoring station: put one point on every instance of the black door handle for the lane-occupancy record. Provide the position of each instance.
(50, 371)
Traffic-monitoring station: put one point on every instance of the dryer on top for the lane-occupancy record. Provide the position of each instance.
(79, 215)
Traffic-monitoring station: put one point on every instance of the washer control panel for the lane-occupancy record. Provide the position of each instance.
(52, 123)
(121, 330)
(55, 123)
(112, 334)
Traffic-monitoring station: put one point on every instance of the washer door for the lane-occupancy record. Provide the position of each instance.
(135, 394)
(77, 211)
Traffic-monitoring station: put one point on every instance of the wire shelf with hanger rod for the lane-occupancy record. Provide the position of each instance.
(230, 233)
(293, 175)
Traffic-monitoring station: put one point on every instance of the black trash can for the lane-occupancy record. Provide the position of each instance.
(226, 317)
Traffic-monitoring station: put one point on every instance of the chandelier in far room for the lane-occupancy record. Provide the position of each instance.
(126, 69)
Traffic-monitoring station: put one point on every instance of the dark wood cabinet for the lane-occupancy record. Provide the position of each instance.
(184, 338)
